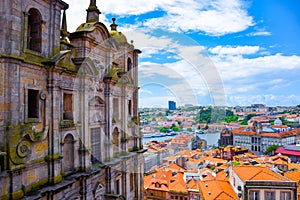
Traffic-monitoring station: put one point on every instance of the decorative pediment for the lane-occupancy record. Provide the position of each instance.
(96, 102)
(98, 35)
(63, 59)
(97, 30)
(125, 79)
(113, 74)
(98, 191)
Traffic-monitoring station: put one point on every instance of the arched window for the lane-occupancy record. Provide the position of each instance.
(116, 141)
(129, 64)
(34, 34)
(68, 153)
(116, 137)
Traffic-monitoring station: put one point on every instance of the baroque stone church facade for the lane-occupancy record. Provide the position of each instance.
(68, 106)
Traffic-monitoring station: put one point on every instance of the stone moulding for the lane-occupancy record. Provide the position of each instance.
(35, 136)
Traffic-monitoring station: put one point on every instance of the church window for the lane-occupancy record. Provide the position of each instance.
(34, 34)
(129, 64)
(117, 186)
(68, 153)
(2, 162)
(129, 107)
(131, 181)
(33, 103)
(95, 145)
(68, 107)
(116, 108)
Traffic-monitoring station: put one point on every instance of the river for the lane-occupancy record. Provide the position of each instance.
(211, 138)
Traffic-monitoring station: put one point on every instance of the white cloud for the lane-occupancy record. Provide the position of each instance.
(145, 91)
(251, 75)
(232, 67)
(268, 99)
(242, 50)
(216, 17)
(260, 33)
(212, 17)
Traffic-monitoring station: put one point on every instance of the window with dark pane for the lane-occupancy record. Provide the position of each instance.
(68, 107)
(33, 103)
(34, 35)
(95, 145)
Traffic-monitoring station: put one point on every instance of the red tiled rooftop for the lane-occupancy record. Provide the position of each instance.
(256, 173)
(287, 152)
(212, 190)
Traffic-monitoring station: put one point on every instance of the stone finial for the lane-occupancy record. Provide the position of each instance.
(113, 26)
(93, 3)
(64, 30)
(92, 12)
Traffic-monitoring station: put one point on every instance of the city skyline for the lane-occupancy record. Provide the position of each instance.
(209, 53)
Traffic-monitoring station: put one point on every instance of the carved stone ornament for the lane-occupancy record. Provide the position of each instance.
(23, 149)
(33, 135)
(95, 85)
(43, 95)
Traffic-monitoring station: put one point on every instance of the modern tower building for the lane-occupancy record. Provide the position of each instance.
(172, 105)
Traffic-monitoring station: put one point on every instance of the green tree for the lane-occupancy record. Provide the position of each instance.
(270, 150)
(213, 115)
(206, 127)
(283, 120)
(229, 113)
(175, 129)
(168, 112)
(244, 122)
(189, 129)
(232, 118)
(164, 129)
(249, 116)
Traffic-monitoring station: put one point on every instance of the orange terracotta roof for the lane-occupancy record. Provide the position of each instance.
(223, 196)
(222, 175)
(160, 178)
(214, 160)
(194, 160)
(256, 173)
(279, 126)
(293, 166)
(280, 160)
(188, 153)
(209, 177)
(211, 190)
(242, 131)
(177, 184)
(223, 166)
(171, 167)
(278, 135)
(192, 185)
(294, 176)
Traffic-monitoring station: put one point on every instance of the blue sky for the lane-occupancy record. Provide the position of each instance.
(200, 52)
